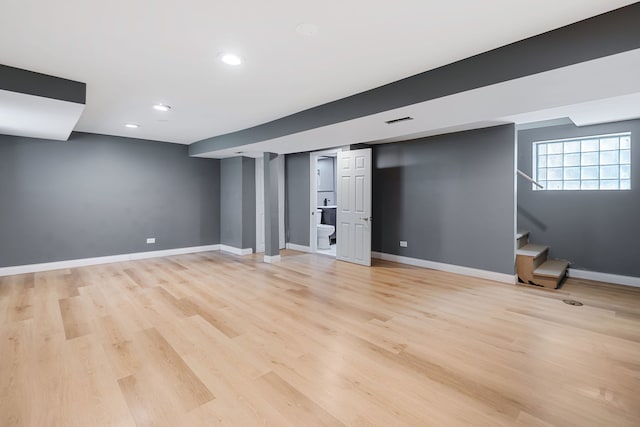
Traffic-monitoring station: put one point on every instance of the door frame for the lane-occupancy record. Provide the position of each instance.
(313, 193)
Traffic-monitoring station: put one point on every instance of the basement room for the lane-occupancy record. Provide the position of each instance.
(320, 214)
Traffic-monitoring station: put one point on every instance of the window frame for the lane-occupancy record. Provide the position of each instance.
(583, 138)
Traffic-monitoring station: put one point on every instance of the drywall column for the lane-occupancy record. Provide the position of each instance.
(271, 222)
(238, 205)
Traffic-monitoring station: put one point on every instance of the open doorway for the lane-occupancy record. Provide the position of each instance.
(323, 202)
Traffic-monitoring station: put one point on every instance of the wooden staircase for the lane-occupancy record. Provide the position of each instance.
(534, 267)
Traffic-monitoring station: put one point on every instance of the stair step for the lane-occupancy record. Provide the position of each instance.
(522, 238)
(552, 268)
(532, 250)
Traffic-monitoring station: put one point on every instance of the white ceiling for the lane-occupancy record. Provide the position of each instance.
(605, 89)
(133, 54)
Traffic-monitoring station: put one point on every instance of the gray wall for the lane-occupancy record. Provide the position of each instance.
(451, 197)
(595, 230)
(97, 195)
(297, 199)
(238, 202)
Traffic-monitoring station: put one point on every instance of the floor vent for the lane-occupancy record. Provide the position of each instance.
(572, 302)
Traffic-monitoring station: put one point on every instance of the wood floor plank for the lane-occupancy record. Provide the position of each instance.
(293, 404)
(147, 405)
(229, 354)
(217, 339)
(75, 318)
(21, 305)
(118, 346)
(238, 401)
(90, 395)
(17, 349)
(163, 360)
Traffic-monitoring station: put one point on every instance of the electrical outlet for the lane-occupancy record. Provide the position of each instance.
(151, 240)
(403, 243)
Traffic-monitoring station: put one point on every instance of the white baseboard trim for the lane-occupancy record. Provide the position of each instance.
(236, 251)
(74, 263)
(300, 248)
(605, 277)
(466, 271)
(272, 259)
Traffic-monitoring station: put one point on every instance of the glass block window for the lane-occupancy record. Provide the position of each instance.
(589, 163)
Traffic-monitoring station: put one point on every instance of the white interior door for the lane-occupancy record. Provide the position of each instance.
(354, 206)
(259, 206)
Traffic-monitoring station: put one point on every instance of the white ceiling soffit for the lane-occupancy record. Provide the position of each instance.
(613, 109)
(37, 117)
(133, 54)
(565, 91)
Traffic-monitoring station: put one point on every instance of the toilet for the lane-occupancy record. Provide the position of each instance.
(324, 231)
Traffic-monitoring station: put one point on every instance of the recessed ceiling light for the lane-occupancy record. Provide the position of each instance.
(132, 125)
(231, 59)
(162, 107)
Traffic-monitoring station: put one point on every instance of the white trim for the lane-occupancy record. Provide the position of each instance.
(516, 242)
(281, 237)
(74, 263)
(578, 138)
(272, 259)
(313, 200)
(605, 277)
(236, 251)
(535, 145)
(260, 231)
(466, 271)
(300, 248)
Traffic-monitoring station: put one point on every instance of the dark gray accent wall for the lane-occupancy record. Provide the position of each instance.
(594, 230)
(238, 202)
(451, 197)
(607, 34)
(32, 83)
(97, 195)
(297, 202)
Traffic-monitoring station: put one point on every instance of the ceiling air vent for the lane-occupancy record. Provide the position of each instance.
(401, 119)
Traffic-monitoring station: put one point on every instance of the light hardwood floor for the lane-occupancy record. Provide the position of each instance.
(208, 339)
